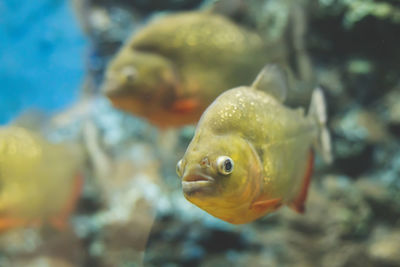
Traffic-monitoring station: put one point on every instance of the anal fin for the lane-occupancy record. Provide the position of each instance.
(60, 221)
(298, 203)
(263, 205)
(11, 223)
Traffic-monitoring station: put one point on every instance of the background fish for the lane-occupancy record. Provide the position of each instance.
(251, 154)
(39, 180)
(172, 69)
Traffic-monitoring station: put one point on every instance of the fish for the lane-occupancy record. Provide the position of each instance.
(40, 182)
(173, 68)
(251, 154)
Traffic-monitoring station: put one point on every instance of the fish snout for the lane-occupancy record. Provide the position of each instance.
(196, 177)
(109, 88)
(195, 181)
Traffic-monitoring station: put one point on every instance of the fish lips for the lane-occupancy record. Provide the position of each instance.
(197, 183)
(112, 88)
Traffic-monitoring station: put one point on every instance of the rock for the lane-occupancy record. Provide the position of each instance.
(381, 201)
(360, 125)
(41, 247)
(356, 134)
(42, 262)
(385, 246)
(391, 110)
(337, 209)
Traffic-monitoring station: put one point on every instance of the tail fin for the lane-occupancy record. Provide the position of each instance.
(317, 111)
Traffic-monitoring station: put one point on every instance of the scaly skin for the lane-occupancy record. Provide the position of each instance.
(269, 145)
(181, 63)
(37, 178)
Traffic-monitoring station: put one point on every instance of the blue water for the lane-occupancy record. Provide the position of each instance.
(41, 56)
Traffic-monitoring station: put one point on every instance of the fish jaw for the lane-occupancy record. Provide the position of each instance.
(111, 88)
(197, 183)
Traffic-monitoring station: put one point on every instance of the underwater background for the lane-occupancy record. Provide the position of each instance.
(41, 49)
(131, 211)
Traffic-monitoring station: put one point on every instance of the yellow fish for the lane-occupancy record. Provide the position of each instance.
(251, 154)
(39, 181)
(171, 70)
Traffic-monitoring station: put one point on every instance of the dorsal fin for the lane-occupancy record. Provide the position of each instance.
(32, 119)
(228, 8)
(272, 80)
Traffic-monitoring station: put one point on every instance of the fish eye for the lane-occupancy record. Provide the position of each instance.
(225, 165)
(179, 168)
(129, 73)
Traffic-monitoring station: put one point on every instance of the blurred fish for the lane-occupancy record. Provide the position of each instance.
(251, 154)
(39, 181)
(171, 70)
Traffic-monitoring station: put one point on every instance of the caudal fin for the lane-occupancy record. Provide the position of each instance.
(317, 111)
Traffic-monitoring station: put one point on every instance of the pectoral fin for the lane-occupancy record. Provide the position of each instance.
(185, 105)
(269, 204)
(60, 221)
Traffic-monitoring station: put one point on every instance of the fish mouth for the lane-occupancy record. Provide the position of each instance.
(112, 90)
(197, 178)
(196, 183)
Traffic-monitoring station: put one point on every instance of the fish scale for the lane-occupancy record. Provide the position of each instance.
(269, 144)
(182, 63)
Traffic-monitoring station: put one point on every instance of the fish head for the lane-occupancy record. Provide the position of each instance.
(140, 81)
(32, 170)
(20, 155)
(20, 151)
(221, 175)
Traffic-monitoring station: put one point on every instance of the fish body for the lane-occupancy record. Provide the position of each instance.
(172, 69)
(39, 181)
(250, 154)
